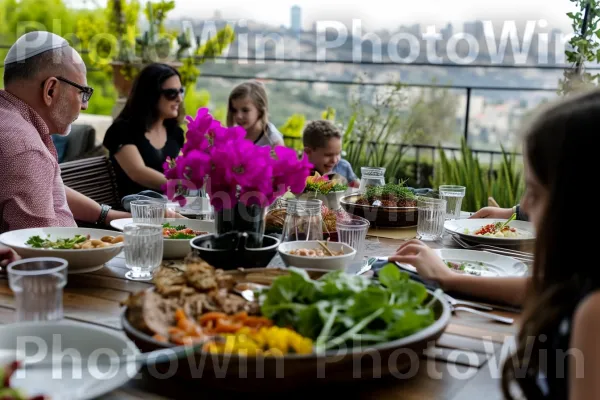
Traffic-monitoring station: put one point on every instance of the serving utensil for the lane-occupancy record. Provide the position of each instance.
(326, 248)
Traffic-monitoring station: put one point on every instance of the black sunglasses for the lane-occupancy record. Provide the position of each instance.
(86, 91)
(172, 93)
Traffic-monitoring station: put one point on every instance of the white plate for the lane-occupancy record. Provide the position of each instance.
(480, 263)
(460, 226)
(174, 248)
(58, 341)
(78, 259)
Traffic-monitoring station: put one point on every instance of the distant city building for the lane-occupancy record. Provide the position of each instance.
(296, 20)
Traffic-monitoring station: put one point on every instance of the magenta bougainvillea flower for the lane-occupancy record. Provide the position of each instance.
(231, 168)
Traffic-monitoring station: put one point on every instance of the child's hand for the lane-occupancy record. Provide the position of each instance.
(493, 212)
(428, 264)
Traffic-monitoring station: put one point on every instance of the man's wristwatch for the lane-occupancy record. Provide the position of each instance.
(103, 213)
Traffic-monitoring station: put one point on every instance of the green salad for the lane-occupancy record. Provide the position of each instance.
(340, 309)
(45, 243)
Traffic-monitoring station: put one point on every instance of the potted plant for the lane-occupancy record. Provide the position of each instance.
(329, 191)
(154, 45)
(241, 178)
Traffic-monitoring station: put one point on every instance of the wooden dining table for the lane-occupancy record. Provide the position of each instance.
(464, 363)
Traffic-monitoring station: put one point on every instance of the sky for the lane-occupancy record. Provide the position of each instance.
(383, 14)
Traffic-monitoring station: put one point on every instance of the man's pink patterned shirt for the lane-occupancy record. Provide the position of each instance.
(32, 193)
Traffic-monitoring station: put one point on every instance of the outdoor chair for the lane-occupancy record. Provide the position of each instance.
(95, 178)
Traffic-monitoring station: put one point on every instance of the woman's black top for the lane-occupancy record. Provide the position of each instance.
(122, 133)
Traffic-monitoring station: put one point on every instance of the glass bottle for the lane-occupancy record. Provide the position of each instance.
(303, 220)
(371, 176)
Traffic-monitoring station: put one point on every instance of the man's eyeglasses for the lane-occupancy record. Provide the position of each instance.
(86, 91)
(172, 93)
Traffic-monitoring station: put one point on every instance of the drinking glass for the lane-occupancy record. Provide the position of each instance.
(432, 214)
(371, 176)
(148, 211)
(353, 232)
(143, 246)
(38, 287)
(453, 195)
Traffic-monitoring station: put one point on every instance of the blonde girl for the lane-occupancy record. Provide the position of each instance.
(248, 107)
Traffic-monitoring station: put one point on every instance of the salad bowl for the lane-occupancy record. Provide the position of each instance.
(396, 349)
(80, 247)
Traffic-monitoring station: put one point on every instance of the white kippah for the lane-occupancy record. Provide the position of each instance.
(33, 43)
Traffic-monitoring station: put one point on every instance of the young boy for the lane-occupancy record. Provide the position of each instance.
(323, 146)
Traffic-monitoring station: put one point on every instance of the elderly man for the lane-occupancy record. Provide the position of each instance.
(45, 89)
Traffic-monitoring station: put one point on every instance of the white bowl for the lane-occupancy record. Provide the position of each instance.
(327, 263)
(174, 248)
(67, 342)
(80, 260)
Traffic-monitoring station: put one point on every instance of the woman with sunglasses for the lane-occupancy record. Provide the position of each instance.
(147, 131)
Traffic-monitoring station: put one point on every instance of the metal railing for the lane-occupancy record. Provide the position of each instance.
(418, 148)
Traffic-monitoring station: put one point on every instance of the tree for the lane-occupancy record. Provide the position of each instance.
(431, 114)
(292, 131)
(585, 47)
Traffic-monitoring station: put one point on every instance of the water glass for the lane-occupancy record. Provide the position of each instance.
(453, 195)
(38, 287)
(143, 246)
(353, 232)
(432, 214)
(148, 211)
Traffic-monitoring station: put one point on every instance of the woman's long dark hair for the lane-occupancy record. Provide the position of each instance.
(561, 147)
(141, 108)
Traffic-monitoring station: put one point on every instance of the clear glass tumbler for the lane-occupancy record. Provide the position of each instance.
(303, 220)
(143, 246)
(148, 211)
(453, 195)
(432, 214)
(371, 176)
(352, 230)
(38, 287)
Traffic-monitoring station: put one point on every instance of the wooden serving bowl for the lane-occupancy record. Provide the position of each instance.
(275, 374)
(379, 216)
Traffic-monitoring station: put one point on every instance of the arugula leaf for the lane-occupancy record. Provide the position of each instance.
(389, 274)
(367, 301)
(409, 322)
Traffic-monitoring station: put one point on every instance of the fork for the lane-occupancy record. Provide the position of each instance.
(519, 255)
(454, 302)
(498, 318)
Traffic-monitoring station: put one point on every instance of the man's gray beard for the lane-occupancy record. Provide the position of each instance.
(67, 131)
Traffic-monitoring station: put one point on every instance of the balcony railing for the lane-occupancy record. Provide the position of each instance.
(417, 151)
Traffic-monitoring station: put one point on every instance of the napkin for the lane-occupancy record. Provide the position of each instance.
(431, 285)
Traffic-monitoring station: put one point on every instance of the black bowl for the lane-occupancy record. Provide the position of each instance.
(230, 250)
(379, 216)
